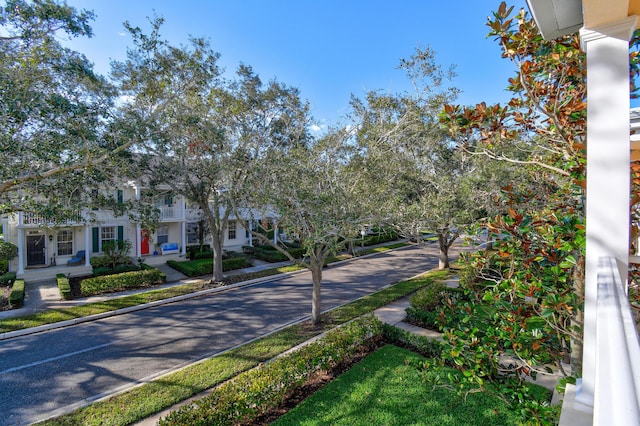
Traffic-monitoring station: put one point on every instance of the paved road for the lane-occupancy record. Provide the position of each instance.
(52, 372)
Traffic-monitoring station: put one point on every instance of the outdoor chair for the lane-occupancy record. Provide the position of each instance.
(77, 259)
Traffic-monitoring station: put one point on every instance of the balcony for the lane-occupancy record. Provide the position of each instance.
(32, 219)
(616, 398)
(171, 213)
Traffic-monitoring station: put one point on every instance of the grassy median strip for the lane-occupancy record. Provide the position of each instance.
(150, 398)
(58, 315)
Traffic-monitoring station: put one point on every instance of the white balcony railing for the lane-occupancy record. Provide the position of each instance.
(174, 212)
(33, 219)
(617, 390)
(616, 399)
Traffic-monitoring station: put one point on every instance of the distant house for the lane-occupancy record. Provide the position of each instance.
(43, 244)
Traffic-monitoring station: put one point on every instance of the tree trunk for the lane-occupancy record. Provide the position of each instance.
(217, 257)
(443, 255)
(316, 275)
(578, 318)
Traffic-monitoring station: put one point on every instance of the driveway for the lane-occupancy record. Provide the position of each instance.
(50, 373)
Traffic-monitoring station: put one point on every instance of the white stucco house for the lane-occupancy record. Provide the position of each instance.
(56, 247)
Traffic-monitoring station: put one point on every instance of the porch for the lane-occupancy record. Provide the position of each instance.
(48, 273)
(609, 391)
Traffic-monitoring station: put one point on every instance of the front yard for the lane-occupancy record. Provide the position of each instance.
(391, 387)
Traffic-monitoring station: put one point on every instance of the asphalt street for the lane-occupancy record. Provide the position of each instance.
(50, 373)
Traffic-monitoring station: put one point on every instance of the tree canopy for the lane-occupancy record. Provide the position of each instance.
(53, 109)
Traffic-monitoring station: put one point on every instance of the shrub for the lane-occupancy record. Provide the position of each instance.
(102, 270)
(196, 268)
(377, 238)
(4, 266)
(425, 346)
(17, 294)
(126, 267)
(7, 278)
(101, 261)
(64, 286)
(430, 297)
(194, 252)
(127, 280)
(249, 394)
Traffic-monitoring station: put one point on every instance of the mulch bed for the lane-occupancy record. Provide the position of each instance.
(4, 298)
(314, 383)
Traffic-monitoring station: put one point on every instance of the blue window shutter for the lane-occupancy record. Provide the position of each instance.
(96, 239)
(120, 233)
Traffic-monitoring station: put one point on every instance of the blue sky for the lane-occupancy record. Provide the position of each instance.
(329, 49)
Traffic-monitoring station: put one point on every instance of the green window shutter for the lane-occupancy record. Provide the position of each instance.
(120, 233)
(96, 239)
(120, 196)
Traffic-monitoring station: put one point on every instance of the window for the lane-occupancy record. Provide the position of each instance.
(107, 233)
(192, 233)
(232, 230)
(65, 242)
(163, 234)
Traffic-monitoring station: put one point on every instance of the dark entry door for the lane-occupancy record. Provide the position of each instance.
(35, 250)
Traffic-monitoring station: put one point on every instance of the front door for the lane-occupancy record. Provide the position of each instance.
(144, 242)
(35, 250)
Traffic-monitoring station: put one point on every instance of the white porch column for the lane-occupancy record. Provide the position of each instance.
(608, 181)
(138, 228)
(183, 236)
(275, 232)
(21, 250)
(138, 240)
(87, 245)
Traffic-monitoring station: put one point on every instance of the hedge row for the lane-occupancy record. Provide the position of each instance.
(370, 240)
(124, 281)
(251, 393)
(269, 254)
(17, 294)
(107, 270)
(100, 261)
(425, 346)
(426, 302)
(197, 268)
(7, 278)
(63, 286)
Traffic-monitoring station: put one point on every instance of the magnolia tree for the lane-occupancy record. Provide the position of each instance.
(534, 276)
(202, 133)
(308, 190)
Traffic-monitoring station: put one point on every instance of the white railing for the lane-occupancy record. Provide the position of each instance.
(171, 212)
(616, 399)
(37, 220)
(617, 384)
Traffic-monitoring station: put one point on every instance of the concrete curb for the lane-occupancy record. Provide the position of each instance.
(95, 317)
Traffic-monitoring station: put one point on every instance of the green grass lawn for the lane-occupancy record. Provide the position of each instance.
(388, 387)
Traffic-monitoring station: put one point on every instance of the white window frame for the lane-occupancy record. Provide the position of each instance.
(231, 230)
(64, 242)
